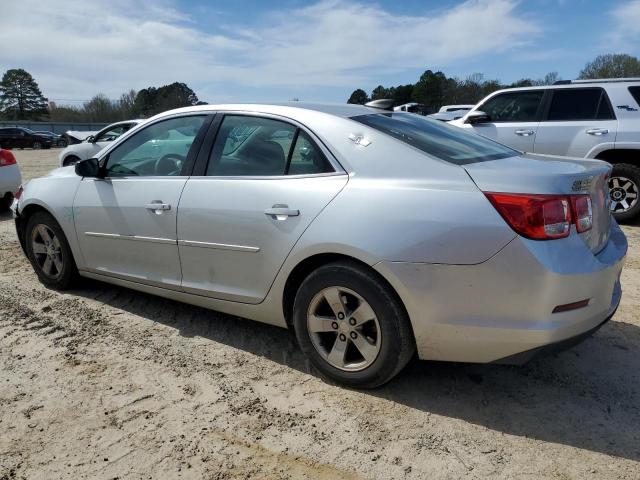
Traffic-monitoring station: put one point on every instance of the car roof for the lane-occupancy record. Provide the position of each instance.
(574, 84)
(343, 110)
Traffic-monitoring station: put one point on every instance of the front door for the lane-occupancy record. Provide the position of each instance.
(513, 117)
(126, 221)
(265, 182)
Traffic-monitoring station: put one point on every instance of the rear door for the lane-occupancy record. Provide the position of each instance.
(575, 121)
(126, 221)
(514, 118)
(253, 194)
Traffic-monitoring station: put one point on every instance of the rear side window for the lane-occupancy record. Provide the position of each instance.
(438, 139)
(580, 104)
(519, 106)
(635, 92)
(248, 146)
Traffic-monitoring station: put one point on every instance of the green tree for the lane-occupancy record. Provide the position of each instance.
(20, 96)
(379, 92)
(150, 101)
(358, 96)
(402, 94)
(612, 65)
(431, 89)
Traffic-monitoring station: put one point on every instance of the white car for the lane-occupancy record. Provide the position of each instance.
(10, 178)
(94, 143)
(451, 112)
(597, 118)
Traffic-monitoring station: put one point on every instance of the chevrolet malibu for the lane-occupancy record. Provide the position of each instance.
(374, 234)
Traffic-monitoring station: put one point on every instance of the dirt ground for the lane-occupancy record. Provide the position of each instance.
(103, 382)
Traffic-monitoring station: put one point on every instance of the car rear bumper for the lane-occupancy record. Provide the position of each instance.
(10, 179)
(503, 307)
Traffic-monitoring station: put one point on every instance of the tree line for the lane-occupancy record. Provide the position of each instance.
(435, 89)
(22, 99)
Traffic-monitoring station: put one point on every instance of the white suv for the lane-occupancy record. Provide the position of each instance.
(575, 118)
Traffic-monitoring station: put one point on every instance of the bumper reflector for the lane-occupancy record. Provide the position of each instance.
(571, 306)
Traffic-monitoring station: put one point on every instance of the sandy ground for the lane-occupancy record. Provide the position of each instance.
(103, 382)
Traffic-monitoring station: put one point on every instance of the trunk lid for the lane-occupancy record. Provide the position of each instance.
(542, 174)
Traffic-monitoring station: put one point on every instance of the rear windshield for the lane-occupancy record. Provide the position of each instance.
(446, 142)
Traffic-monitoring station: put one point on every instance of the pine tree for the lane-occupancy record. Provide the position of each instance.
(20, 96)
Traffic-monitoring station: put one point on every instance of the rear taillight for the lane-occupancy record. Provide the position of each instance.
(6, 158)
(582, 212)
(543, 217)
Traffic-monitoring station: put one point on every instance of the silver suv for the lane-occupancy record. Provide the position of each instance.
(575, 118)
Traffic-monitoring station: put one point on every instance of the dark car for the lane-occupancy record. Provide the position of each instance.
(58, 140)
(19, 137)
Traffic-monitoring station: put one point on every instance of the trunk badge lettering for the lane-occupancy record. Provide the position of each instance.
(582, 185)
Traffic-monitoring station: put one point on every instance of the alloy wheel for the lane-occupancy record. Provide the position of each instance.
(47, 251)
(37, 145)
(344, 329)
(623, 193)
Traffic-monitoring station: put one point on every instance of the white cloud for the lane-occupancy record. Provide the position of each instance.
(626, 29)
(81, 47)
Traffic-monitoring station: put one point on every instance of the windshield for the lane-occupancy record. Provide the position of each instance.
(446, 142)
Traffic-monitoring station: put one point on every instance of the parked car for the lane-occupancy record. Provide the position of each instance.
(580, 118)
(19, 137)
(77, 136)
(413, 107)
(10, 178)
(515, 255)
(451, 112)
(58, 140)
(92, 144)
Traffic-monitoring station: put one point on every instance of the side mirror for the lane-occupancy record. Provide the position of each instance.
(90, 139)
(88, 168)
(477, 117)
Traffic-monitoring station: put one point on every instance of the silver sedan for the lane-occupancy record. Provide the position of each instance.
(373, 234)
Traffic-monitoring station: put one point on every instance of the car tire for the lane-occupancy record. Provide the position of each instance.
(70, 160)
(49, 252)
(625, 180)
(36, 145)
(386, 337)
(6, 201)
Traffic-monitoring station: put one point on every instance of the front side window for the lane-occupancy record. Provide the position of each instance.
(111, 134)
(513, 106)
(579, 104)
(255, 146)
(158, 150)
(438, 139)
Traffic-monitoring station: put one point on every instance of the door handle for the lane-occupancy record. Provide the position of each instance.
(281, 211)
(524, 133)
(157, 205)
(597, 131)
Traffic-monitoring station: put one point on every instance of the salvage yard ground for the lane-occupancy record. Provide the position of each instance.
(103, 382)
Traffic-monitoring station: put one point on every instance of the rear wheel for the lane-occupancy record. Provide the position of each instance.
(36, 145)
(48, 251)
(352, 326)
(624, 190)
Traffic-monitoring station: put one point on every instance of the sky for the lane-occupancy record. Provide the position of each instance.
(277, 50)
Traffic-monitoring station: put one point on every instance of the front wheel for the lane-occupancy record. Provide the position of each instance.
(36, 145)
(624, 189)
(49, 253)
(352, 326)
